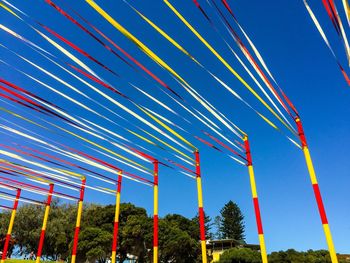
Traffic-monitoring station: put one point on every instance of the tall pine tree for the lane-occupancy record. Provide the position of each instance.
(231, 223)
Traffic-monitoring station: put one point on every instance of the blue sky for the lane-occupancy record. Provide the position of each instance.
(295, 53)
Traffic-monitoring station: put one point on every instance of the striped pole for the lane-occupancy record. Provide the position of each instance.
(9, 231)
(155, 213)
(255, 200)
(77, 225)
(116, 217)
(317, 191)
(200, 208)
(43, 229)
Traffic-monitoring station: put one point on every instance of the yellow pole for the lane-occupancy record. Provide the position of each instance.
(155, 213)
(9, 230)
(116, 218)
(43, 229)
(317, 192)
(77, 225)
(255, 201)
(200, 208)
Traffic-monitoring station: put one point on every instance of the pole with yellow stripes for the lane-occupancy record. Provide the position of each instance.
(116, 218)
(317, 191)
(255, 200)
(43, 229)
(77, 225)
(9, 230)
(200, 208)
(155, 212)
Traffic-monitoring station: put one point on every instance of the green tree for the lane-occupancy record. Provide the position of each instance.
(135, 232)
(137, 236)
(245, 255)
(240, 255)
(292, 256)
(217, 224)
(178, 240)
(59, 229)
(136, 241)
(208, 225)
(94, 244)
(183, 223)
(232, 224)
(99, 216)
(27, 235)
(4, 222)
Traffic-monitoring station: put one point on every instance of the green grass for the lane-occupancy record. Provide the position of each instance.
(23, 261)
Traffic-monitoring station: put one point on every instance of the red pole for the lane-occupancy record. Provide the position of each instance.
(43, 229)
(77, 226)
(255, 201)
(155, 213)
(200, 208)
(9, 231)
(116, 218)
(317, 191)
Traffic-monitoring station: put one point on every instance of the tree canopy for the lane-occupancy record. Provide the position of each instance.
(178, 235)
(231, 222)
(246, 255)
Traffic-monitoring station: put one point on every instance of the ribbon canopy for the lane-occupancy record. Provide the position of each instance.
(84, 103)
(141, 133)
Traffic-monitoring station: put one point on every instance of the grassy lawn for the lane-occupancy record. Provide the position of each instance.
(24, 261)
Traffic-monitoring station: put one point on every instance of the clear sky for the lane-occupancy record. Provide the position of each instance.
(298, 58)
